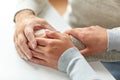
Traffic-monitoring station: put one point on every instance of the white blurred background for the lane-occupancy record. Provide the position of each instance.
(12, 67)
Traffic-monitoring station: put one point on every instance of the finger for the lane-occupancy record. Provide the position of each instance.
(43, 25)
(72, 32)
(23, 46)
(77, 33)
(29, 33)
(21, 54)
(52, 34)
(40, 35)
(39, 61)
(42, 41)
(38, 55)
(68, 31)
(85, 52)
(29, 45)
(40, 49)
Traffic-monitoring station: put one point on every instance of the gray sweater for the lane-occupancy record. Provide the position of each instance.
(105, 13)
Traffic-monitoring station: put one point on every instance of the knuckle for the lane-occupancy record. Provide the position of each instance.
(91, 27)
(27, 32)
(66, 37)
(31, 59)
(84, 36)
(28, 59)
(97, 26)
(51, 43)
(43, 21)
(77, 29)
(49, 51)
(52, 33)
(21, 40)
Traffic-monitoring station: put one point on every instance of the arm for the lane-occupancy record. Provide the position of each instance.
(75, 65)
(52, 51)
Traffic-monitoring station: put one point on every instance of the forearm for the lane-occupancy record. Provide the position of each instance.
(114, 39)
(74, 64)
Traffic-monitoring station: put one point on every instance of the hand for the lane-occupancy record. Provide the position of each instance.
(94, 38)
(26, 24)
(50, 49)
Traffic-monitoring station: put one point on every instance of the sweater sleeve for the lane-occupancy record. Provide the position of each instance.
(114, 39)
(35, 5)
(75, 65)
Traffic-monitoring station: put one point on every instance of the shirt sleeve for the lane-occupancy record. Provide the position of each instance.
(114, 39)
(35, 5)
(75, 65)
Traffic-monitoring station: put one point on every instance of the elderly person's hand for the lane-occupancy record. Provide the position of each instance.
(50, 47)
(94, 38)
(26, 24)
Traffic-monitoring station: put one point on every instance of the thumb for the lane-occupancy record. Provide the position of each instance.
(52, 34)
(85, 52)
(29, 34)
(68, 31)
(74, 33)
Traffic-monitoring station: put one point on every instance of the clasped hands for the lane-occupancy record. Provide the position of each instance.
(50, 47)
(46, 49)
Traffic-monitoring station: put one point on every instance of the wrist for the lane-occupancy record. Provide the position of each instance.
(24, 14)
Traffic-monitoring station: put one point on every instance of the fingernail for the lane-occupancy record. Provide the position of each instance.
(29, 57)
(33, 45)
(24, 57)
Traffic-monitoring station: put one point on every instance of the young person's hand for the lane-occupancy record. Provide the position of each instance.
(50, 47)
(94, 38)
(26, 24)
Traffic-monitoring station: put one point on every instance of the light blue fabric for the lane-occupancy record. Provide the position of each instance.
(75, 65)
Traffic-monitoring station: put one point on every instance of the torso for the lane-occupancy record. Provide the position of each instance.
(84, 13)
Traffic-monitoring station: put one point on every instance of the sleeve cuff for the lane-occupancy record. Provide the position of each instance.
(35, 5)
(113, 39)
(66, 57)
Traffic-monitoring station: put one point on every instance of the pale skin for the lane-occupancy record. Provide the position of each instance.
(93, 37)
(26, 24)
